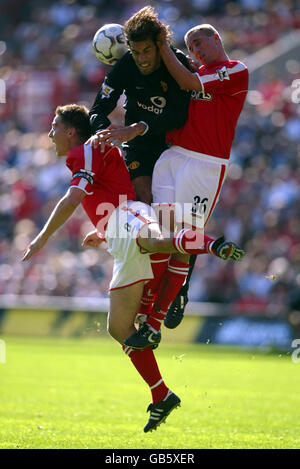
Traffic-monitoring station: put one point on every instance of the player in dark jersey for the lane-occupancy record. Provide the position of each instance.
(154, 101)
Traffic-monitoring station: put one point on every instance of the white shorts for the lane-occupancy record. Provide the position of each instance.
(188, 178)
(123, 227)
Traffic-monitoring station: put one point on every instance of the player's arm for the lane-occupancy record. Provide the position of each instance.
(116, 135)
(93, 239)
(99, 112)
(105, 102)
(107, 98)
(186, 79)
(225, 81)
(61, 213)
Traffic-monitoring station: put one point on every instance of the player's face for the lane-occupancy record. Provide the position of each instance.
(146, 55)
(59, 136)
(206, 49)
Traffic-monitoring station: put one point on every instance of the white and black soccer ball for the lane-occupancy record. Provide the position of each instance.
(109, 43)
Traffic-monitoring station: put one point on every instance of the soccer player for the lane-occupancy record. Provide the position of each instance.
(100, 181)
(154, 101)
(194, 168)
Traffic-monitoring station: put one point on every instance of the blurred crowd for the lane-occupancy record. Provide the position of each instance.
(46, 59)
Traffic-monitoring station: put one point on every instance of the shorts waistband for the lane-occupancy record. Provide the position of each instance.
(200, 156)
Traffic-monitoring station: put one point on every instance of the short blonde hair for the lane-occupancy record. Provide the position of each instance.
(207, 29)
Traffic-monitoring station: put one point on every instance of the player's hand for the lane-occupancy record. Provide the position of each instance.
(115, 137)
(96, 140)
(35, 245)
(92, 240)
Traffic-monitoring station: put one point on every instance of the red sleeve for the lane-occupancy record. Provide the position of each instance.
(84, 164)
(227, 80)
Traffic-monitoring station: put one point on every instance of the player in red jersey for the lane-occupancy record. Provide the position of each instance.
(193, 170)
(195, 166)
(101, 182)
(220, 88)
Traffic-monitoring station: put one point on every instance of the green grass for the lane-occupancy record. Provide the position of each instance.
(84, 393)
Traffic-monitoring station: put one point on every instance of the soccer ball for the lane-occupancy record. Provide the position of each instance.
(109, 43)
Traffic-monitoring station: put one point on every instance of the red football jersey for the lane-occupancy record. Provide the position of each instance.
(214, 111)
(104, 178)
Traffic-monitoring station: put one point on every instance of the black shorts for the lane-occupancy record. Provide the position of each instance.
(139, 161)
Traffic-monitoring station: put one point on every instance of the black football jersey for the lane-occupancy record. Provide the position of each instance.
(155, 99)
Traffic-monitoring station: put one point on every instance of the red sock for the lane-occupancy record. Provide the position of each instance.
(159, 263)
(192, 242)
(145, 363)
(171, 283)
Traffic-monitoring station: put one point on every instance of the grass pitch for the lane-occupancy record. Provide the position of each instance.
(85, 393)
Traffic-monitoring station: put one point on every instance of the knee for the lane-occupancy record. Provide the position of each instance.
(150, 238)
(149, 244)
(118, 331)
(158, 244)
(113, 331)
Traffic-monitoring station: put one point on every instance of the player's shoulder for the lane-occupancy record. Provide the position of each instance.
(75, 154)
(236, 65)
(121, 73)
(229, 67)
(111, 152)
(88, 157)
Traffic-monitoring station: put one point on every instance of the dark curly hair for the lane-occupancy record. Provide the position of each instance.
(74, 115)
(145, 25)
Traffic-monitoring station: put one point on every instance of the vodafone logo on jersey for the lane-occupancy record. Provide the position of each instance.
(159, 102)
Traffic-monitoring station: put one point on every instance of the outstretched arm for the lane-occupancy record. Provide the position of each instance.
(63, 210)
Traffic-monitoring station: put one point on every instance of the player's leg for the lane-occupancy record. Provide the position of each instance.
(164, 190)
(178, 269)
(183, 243)
(205, 181)
(124, 305)
(151, 239)
(131, 270)
(131, 220)
(159, 264)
